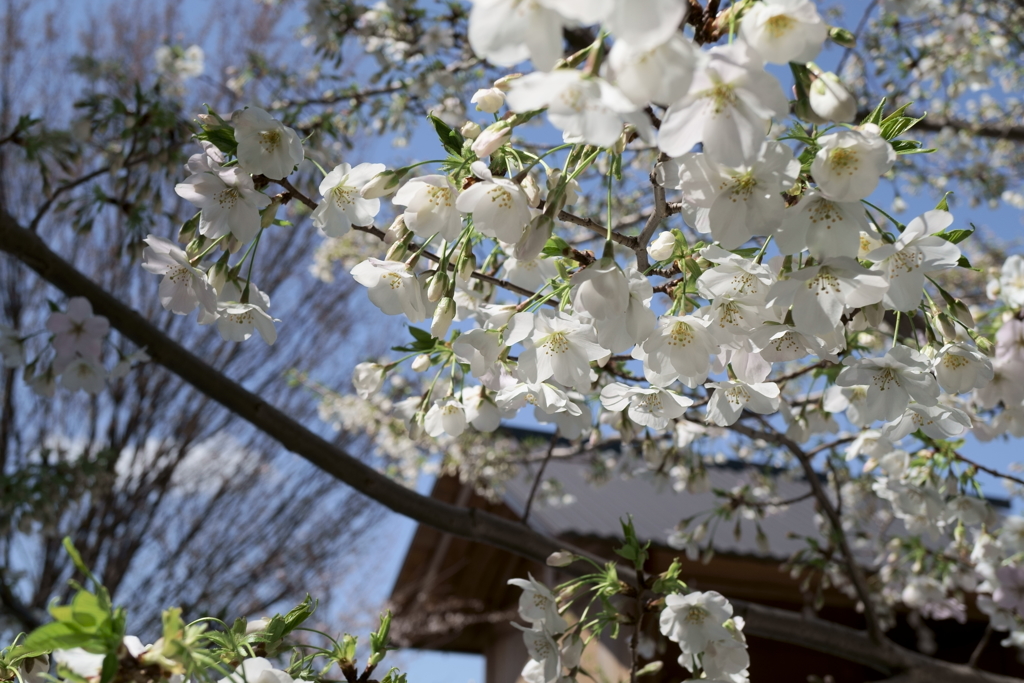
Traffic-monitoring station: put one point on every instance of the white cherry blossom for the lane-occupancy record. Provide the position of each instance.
(600, 290)
(547, 397)
(696, 619)
(644, 22)
(562, 347)
(827, 228)
(228, 200)
(499, 206)
(394, 288)
(538, 605)
(506, 32)
(938, 422)
(256, 670)
(917, 252)
(680, 348)
(236, 321)
(481, 412)
(732, 397)
(850, 162)
(892, 380)
(636, 323)
(82, 373)
(1011, 281)
(367, 379)
(446, 416)
(430, 209)
(183, 287)
(78, 332)
(479, 348)
(650, 407)
(584, 107)
(728, 107)
(647, 72)
(531, 274)
(960, 367)
(744, 200)
(662, 247)
(784, 31)
(819, 294)
(343, 205)
(265, 145)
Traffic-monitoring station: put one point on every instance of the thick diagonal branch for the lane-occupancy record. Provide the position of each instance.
(472, 524)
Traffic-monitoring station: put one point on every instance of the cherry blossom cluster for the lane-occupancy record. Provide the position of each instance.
(702, 623)
(72, 355)
(781, 271)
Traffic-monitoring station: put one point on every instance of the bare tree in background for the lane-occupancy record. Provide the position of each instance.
(147, 476)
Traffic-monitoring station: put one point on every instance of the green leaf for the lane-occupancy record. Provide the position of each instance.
(943, 204)
(87, 611)
(421, 335)
(110, 666)
(964, 263)
(60, 635)
(555, 247)
(955, 236)
(875, 117)
(222, 137)
(451, 139)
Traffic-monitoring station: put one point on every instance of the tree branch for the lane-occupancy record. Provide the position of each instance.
(935, 124)
(853, 568)
(473, 524)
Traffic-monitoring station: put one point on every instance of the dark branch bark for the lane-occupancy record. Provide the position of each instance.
(472, 524)
(934, 124)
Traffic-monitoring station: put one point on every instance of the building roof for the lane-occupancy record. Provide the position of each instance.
(657, 508)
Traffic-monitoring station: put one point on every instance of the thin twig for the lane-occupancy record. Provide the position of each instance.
(973, 661)
(653, 221)
(860, 27)
(853, 568)
(540, 473)
(989, 470)
(379, 234)
(634, 639)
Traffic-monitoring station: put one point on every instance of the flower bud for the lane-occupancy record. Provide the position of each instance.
(438, 286)
(466, 267)
(488, 100)
(532, 189)
(830, 99)
(443, 316)
(961, 312)
(493, 137)
(397, 251)
(662, 248)
(256, 625)
(502, 83)
(946, 326)
(420, 363)
(396, 231)
(470, 130)
(841, 36)
(561, 558)
(383, 184)
(268, 214)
